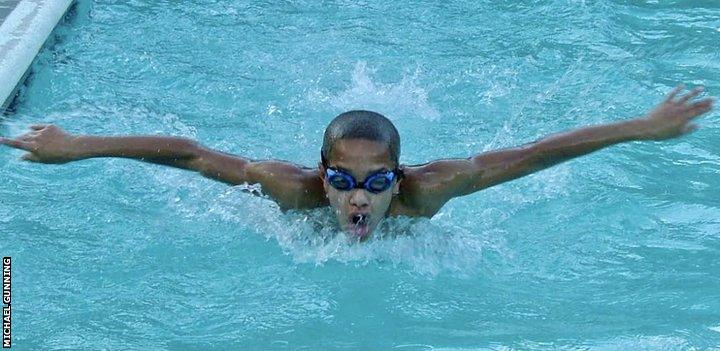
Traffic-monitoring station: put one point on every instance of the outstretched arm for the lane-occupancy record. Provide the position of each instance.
(428, 187)
(289, 185)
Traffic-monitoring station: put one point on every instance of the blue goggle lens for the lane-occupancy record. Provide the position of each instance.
(379, 183)
(339, 182)
(375, 183)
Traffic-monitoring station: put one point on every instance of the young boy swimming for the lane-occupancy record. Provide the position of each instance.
(359, 174)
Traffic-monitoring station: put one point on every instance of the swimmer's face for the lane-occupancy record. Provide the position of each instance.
(360, 158)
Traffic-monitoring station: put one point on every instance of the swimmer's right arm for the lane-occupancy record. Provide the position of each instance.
(289, 185)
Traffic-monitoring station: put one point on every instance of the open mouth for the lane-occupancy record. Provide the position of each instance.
(359, 225)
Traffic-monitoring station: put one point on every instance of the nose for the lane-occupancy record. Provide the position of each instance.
(359, 198)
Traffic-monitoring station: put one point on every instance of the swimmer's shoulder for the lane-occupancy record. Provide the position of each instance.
(306, 189)
(290, 186)
(415, 198)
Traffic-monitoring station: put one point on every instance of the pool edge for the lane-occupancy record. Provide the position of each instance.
(22, 35)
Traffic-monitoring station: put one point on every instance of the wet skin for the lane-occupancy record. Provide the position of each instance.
(423, 191)
(360, 158)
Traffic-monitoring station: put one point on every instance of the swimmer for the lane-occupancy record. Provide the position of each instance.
(359, 174)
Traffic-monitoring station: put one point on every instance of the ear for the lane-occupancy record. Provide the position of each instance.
(321, 175)
(321, 171)
(396, 187)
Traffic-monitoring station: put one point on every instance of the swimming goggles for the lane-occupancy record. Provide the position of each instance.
(374, 183)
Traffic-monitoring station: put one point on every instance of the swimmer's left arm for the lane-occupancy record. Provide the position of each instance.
(428, 187)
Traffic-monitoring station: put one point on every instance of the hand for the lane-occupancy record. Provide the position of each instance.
(672, 118)
(45, 144)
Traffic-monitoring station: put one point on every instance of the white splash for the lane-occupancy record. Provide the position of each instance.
(427, 247)
(406, 98)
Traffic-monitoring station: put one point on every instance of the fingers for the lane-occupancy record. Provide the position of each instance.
(700, 107)
(24, 142)
(689, 96)
(689, 128)
(27, 136)
(18, 144)
(30, 157)
(674, 92)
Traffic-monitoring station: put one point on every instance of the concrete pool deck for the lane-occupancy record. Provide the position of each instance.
(24, 27)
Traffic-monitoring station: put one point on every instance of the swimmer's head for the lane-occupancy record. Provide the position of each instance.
(365, 125)
(360, 146)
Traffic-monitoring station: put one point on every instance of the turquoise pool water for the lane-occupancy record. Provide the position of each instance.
(618, 250)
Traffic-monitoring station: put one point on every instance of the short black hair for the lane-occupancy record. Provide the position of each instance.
(360, 124)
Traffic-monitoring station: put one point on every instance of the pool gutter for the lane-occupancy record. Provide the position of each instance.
(22, 34)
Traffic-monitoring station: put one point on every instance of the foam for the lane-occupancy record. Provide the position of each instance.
(406, 98)
(427, 247)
